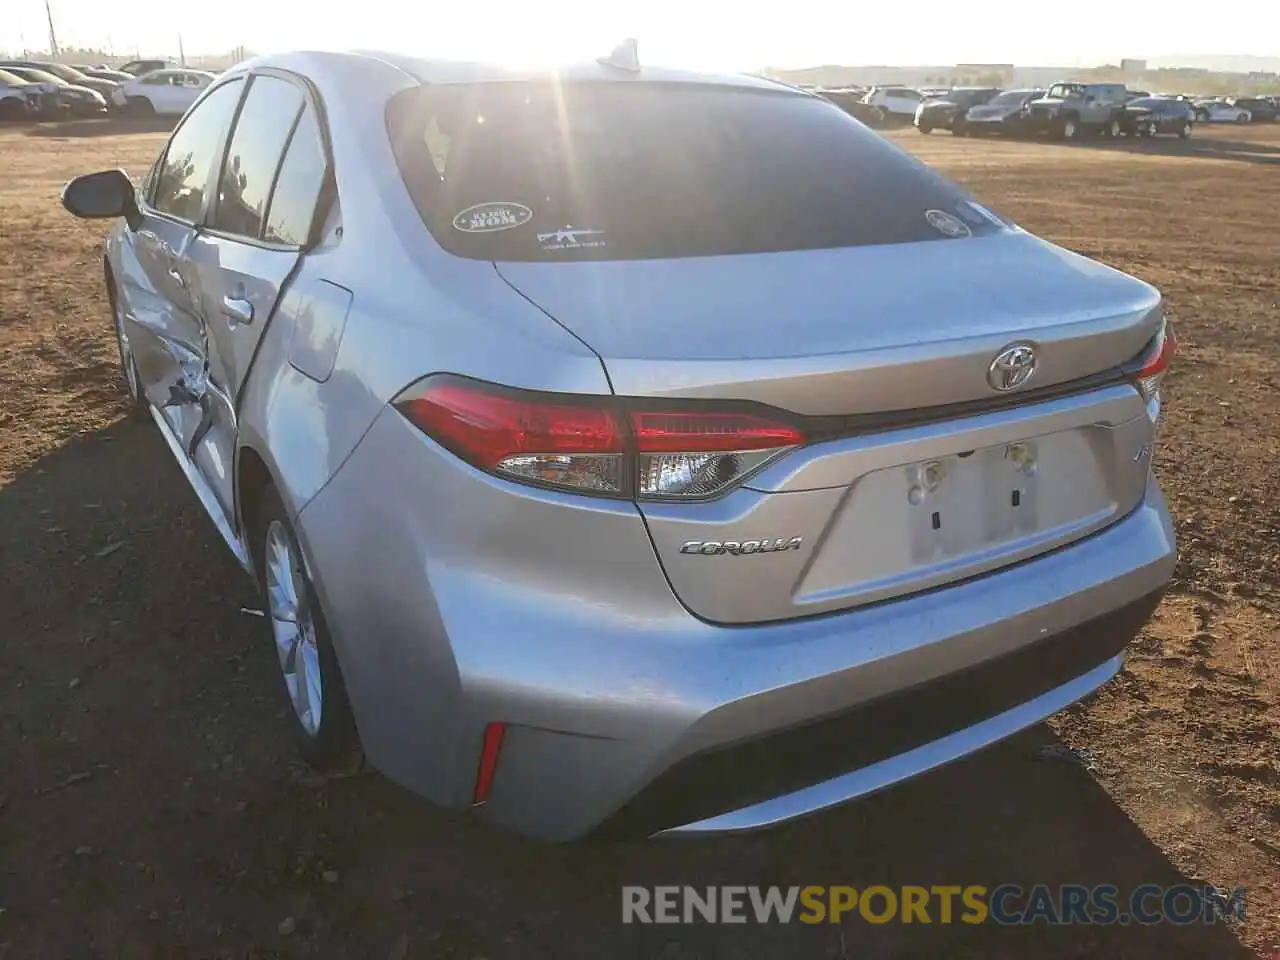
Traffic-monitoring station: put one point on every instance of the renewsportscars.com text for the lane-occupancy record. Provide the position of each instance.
(1006, 904)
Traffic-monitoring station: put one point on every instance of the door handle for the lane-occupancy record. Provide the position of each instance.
(177, 277)
(237, 310)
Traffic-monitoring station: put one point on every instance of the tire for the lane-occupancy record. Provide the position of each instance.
(1112, 129)
(11, 109)
(1242, 118)
(1185, 132)
(1202, 116)
(1068, 129)
(128, 364)
(140, 107)
(925, 128)
(320, 713)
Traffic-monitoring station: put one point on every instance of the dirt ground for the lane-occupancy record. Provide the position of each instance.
(151, 804)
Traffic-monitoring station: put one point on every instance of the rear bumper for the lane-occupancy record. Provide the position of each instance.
(816, 765)
(483, 601)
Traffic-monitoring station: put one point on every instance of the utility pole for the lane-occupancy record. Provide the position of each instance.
(53, 37)
(182, 56)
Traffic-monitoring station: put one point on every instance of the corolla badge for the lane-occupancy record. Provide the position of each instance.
(1012, 367)
(740, 548)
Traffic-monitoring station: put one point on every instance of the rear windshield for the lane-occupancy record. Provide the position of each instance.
(632, 170)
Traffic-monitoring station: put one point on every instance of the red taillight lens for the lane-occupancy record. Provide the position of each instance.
(568, 445)
(677, 432)
(582, 444)
(1156, 363)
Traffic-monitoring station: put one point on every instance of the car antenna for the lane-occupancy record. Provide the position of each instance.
(625, 56)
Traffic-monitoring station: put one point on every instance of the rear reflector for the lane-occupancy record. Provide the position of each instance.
(490, 748)
(595, 444)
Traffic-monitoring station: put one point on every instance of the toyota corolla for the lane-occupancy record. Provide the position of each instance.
(622, 451)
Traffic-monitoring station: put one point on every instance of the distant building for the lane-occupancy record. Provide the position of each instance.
(981, 74)
(1133, 68)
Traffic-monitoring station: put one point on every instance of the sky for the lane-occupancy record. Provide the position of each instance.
(698, 34)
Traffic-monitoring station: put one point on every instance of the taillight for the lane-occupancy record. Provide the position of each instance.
(698, 454)
(1155, 363)
(598, 445)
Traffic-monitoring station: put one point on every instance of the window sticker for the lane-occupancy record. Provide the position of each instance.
(946, 224)
(569, 237)
(494, 215)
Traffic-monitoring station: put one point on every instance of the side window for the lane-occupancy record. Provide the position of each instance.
(249, 171)
(293, 203)
(192, 154)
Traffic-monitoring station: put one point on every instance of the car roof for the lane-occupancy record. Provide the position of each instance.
(432, 70)
(171, 71)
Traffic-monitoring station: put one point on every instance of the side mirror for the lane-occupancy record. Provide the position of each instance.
(102, 195)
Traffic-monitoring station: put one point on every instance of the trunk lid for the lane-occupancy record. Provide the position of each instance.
(867, 517)
(850, 330)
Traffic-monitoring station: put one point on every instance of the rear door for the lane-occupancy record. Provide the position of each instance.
(259, 222)
(164, 331)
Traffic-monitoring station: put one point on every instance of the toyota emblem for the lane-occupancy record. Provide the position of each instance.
(1012, 367)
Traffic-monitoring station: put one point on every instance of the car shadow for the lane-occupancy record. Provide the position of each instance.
(1198, 145)
(162, 810)
(109, 126)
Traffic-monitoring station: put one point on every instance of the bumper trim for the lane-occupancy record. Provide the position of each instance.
(904, 766)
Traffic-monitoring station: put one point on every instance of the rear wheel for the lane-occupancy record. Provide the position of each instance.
(1202, 116)
(1068, 129)
(321, 715)
(140, 107)
(1112, 129)
(1242, 118)
(925, 128)
(1185, 132)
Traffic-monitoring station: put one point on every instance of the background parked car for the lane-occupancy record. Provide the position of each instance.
(1068, 110)
(63, 97)
(899, 102)
(1260, 108)
(19, 99)
(850, 101)
(948, 111)
(1220, 111)
(106, 73)
(67, 75)
(1149, 116)
(139, 68)
(162, 91)
(1003, 113)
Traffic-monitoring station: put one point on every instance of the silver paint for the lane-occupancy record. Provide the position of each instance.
(618, 657)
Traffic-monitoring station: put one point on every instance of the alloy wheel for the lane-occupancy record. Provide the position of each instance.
(289, 604)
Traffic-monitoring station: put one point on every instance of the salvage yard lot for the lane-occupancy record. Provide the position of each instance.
(151, 804)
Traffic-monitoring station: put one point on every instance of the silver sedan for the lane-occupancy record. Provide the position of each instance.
(622, 451)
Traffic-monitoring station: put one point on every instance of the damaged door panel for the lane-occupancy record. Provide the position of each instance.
(268, 187)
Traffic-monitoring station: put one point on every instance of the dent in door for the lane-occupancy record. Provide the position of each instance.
(317, 332)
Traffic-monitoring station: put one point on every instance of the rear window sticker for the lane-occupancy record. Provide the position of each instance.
(493, 215)
(569, 237)
(946, 224)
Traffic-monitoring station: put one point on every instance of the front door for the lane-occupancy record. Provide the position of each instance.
(161, 321)
(242, 261)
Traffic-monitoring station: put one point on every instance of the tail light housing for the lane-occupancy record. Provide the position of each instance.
(1149, 369)
(598, 445)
